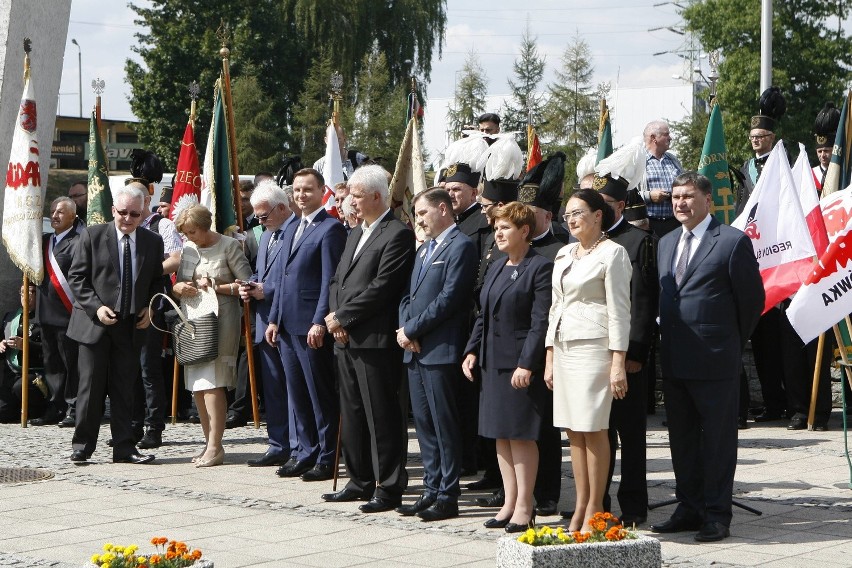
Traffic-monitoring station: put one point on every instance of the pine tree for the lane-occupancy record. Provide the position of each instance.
(469, 102)
(526, 101)
(258, 149)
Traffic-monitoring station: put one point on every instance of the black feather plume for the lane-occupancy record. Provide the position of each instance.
(827, 120)
(772, 103)
(146, 165)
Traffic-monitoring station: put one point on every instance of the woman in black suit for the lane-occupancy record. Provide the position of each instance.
(507, 344)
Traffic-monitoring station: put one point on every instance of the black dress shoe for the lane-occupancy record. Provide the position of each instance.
(712, 532)
(268, 459)
(235, 422)
(546, 508)
(46, 420)
(566, 514)
(520, 527)
(439, 511)
(742, 424)
(151, 439)
(79, 456)
(294, 470)
(320, 472)
(380, 505)
(627, 521)
(820, 426)
(677, 524)
(195, 419)
(345, 495)
(495, 500)
(797, 423)
(67, 422)
(483, 484)
(423, 503)
(134, 458)
(496, 523)
(769, 416)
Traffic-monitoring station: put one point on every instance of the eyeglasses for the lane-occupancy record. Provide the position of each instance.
(574, 214)
(126, 213)
(485, 206)
(262, 218)
(758, 136)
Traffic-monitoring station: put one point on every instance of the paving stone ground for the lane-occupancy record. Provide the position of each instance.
(241, 516)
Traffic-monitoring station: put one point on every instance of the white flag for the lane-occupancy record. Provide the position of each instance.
(22, 203)
(409, 178)
(774, 221)
(332, 170)
(809, 199)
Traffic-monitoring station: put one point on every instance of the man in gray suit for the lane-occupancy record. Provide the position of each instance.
(115, 271)
(434, 319)
(711, 296)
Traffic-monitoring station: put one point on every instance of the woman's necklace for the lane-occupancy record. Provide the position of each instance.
(576, 253)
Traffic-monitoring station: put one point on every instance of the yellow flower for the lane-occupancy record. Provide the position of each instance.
(118, 549)
(141, 560)
(131, 549)
(105, 565)
(95, 559)
(108, 547)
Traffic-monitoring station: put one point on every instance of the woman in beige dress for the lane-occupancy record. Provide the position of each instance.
(212, 260)
(587, 337)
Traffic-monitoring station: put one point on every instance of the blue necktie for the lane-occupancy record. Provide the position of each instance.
(427, 258)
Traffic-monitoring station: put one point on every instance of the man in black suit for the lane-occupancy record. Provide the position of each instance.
(78, 192)
(11, 381)
(54, 310)
(372, 274)
(115, 272)
(628, 419)
(711, 296)
(461, 183)
(433, 320)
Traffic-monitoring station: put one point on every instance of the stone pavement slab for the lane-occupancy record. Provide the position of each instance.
(241, 516)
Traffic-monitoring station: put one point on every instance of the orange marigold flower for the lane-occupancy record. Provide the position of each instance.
(196, 554)
(155, 559)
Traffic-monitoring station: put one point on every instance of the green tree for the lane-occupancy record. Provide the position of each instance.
(688, 135)
(379, 110)
(571, 113)
(812, 61)
(257, 147)
(525, 101)
(469, 102)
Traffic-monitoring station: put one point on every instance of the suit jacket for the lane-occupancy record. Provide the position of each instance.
(366, 289)
(49, 308)
(548, 246)
(510, 329)
(706, 321)
(95, 277)
(267, 273)
(595, 303)
(305, 273)
(474, 224)
(435, 310)
(641, 247)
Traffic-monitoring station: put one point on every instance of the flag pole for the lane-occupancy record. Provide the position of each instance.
(25, 317)
(98, 86)
(225, 54)
(815, 382)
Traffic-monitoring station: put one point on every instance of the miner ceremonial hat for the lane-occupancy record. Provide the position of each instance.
(615, 188)
(622, 170)
(500, 190)
(634, 209)
(542, 185)
(145, 168)
(464, 160)
(825, 125)
(772, 107)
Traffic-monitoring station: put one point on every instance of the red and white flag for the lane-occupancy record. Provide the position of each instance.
(332, 170)
(825, 298)
(774, 221)
(22, 201)
(187, 184)
(809, 199)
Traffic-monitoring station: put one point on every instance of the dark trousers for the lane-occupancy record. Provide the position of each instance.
(798, 363)
(60, 369)
(628, 422)
(769, 352)
(279, 419)
(11, 387)
(372, 420)
(110, 366)
(434, 393)
(474, 452)
(702, 422)
(150, 398)
(241, 405)
(548, 481)
(310, 390)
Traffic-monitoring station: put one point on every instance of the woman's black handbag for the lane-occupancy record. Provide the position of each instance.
(196, 341)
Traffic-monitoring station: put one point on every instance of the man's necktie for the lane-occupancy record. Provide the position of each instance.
(273, 239)
(426, 259)
(683, 260)
(302, 226)
(126, 278)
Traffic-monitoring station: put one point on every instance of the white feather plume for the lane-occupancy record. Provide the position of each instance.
(471, 151)
(586, 165)
(628, 163)
(505, 159)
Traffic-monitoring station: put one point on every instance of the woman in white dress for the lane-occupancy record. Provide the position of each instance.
(587, 337)
(211, 260)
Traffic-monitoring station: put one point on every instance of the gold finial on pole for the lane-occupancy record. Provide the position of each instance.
(713, 56)
(336, 95)
(194, 90)
(28, 46)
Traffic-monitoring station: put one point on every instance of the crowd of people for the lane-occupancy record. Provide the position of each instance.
(500, 330)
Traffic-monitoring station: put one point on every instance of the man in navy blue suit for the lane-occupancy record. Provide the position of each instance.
(434, 318)
(271, 207)
(711, 296)
(312, 249)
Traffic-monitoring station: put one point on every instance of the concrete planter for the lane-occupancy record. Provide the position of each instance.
(643, 552)
(202, 563)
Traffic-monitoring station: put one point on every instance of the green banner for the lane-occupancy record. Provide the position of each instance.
(604, 135)
(714, 165)
(223, 190)
(99, 208)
